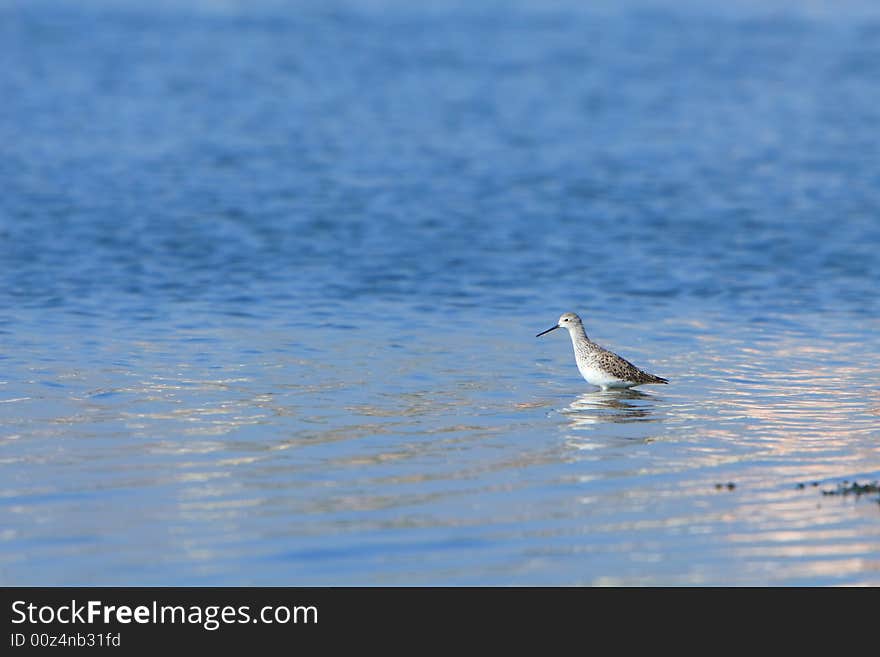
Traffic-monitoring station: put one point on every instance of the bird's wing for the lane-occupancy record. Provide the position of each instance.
(621, 368)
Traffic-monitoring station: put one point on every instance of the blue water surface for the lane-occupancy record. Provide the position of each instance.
(271, 272)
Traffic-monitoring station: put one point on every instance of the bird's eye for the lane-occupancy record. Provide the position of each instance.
(565, 320)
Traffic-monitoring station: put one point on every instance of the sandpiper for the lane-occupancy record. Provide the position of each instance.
(599, 366)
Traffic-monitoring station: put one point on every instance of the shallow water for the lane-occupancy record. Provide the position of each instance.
(270, 283)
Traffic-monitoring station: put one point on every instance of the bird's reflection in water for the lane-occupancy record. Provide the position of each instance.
(618, 406)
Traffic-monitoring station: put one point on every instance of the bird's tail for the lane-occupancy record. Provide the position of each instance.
(658, 379)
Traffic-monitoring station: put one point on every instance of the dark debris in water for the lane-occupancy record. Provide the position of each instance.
(854, 488)
(847, 488)
(729, 486)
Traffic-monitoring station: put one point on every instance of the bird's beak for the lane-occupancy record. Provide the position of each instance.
(552, 328)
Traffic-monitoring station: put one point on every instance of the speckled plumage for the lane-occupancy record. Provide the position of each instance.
(609, 362)
(598, 365)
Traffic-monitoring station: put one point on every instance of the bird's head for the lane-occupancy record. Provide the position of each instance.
(566, 321)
